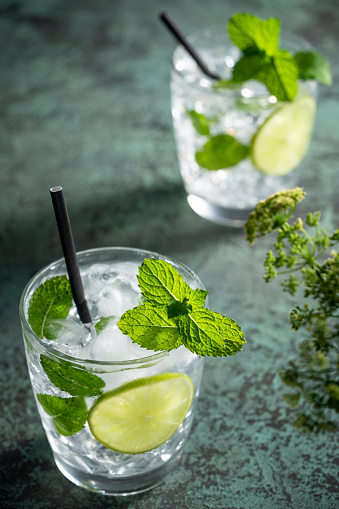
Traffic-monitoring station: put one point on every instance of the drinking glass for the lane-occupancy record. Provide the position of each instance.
(201, 110)
(80, 457)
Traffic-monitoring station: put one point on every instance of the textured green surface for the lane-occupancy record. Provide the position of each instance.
(85, 104)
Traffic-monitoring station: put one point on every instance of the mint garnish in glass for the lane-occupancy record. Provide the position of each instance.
(51, 301)
(170, 314)
(263, 60)
(280, 71)
(174, 315)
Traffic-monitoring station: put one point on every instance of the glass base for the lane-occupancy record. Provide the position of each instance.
(119, 485)
(235, 218)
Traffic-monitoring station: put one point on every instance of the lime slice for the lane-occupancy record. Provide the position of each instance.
(141, 415)
(283, 139)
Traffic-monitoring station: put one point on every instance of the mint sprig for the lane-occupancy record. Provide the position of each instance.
(174, 315)
(51, 301)
(264, 61)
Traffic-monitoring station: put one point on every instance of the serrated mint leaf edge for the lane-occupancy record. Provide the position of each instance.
(197, 297)
(153, 285)
(208, 327)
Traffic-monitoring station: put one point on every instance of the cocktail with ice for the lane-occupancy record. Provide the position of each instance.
(241, 138)
(116, 413)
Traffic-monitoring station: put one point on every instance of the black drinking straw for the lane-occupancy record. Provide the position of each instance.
(67, 243)
(173, 27)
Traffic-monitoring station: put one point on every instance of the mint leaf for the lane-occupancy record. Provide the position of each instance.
(102, 323)
(249, 66)
(280, 76)
(232, 333)
(197, 298)
(160, 282)
(75, 381)
(200, 123)
(312, 66)
(202, 331)
(221, 151)
(264, 61)
(52, 300)
(251, 34)
(175, 316)
(150, 327)
(210, 334)
(69, 415)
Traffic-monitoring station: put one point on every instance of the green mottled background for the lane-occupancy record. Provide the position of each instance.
(85, 104)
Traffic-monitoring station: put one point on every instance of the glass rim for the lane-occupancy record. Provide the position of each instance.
(91, 362)
(217, 31)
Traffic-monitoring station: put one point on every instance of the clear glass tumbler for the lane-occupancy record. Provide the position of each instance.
(80, 457)
(202, 111)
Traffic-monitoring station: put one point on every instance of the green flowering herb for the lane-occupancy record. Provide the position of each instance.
(305, 254)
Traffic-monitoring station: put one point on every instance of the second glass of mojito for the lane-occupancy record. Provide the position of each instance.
(116, 415)
(236, 144)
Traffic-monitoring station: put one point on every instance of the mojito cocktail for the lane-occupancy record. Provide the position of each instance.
(237, 141)
(116, 414)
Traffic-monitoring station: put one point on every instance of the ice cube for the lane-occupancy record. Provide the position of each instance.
(104, 282)
(95, 277)
(112, 345)
(128, 272)
(177, 357)
(116, 298)
(69, 332)
(109, 343)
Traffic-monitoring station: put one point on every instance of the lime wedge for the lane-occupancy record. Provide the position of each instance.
(283, 139)
(141, 415)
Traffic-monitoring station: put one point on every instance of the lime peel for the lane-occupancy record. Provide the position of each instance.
(282, 140)
(143, 414)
